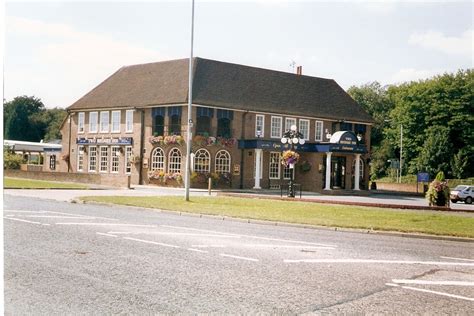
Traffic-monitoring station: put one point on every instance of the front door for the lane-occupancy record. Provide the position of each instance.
(338, 172)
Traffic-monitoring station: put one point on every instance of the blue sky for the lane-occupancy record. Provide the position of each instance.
(58, 51)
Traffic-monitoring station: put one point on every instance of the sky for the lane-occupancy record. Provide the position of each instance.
(58, 51)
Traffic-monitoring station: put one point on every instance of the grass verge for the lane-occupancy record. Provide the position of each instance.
(306, 213)
(17, 183)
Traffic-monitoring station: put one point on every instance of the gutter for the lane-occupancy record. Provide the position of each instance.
(69, 143)
(242, 134)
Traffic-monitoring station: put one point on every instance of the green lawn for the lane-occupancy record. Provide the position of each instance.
(307, 213)
(17, 183)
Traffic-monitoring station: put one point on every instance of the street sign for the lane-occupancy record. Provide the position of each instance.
(423, 177)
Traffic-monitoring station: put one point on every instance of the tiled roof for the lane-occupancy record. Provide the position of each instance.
(223, 85)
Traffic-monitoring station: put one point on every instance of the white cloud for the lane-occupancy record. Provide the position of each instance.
(411, 74)
(75, 59)
(453, 45)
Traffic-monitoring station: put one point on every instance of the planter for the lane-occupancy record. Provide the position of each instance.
(167, 183)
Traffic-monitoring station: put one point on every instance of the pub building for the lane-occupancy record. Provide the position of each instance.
(134, 125)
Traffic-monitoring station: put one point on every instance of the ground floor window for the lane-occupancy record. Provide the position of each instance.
(202, 161)
(222, 162)
(115, 156)
(128, 159)
(92, 159)
(104, 159)
(52, 162)
(80, 158)
(287, 172)
(158, 159)
(174, 161)
(274, 168)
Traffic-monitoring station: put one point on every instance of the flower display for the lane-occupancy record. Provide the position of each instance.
(438, 191)
(201, 141)
(163, 177)
(289, 157)
(166, 140)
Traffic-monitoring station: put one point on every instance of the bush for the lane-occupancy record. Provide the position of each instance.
(12, 160)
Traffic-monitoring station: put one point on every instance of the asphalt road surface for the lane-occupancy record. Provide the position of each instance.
(63, 258)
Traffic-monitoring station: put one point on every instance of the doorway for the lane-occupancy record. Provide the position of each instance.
(338, 173)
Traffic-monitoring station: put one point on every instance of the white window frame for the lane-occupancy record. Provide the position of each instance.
(115, 125)
(272, 130)
(93, 124)
(103, 163)
(114, 159)
(288, 122)
(222, 162)
(128, 163)
(92, 149)
(80, 158)
(129, 121)
(286, 174)
(262, 127)
(171, 163)
(305, 137)
(318, 138)
(200, 157)
(81, 123)
(272, 164)
(158, 159)
(104, 122)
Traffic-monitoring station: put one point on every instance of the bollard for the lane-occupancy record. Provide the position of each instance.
(209, 185)
(129, 177)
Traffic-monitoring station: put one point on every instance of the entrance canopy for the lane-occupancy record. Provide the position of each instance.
(307, 147)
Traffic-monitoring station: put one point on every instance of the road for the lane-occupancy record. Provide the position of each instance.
(65, 258)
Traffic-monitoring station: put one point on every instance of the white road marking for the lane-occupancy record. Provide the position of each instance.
(391, 284)
(45, 224)
(106, 224)
(72, 214)
(286, 246)
(238, 257)
(252, 236)
(174, 234)
(104, 234)
(22, 220)
(439, 293)
(198, 250)
(428, 282)
(378, 261)
(152, 242)
(457, 258)
(21, 211)
(208, 246)
(57, 216)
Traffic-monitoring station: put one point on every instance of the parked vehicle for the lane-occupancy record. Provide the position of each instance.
(462, 193)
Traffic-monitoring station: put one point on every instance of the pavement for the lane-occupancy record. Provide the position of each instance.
(378, 199)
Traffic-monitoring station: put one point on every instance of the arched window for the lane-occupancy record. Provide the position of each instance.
(158, 159)
(174, 161)
(361, 168)
(222, 161)
(202, 161)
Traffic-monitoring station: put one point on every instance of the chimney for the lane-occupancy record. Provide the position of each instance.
(299, 70)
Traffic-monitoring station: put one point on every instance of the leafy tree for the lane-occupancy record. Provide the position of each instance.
(459, 164)
(26, 118)
(436, 152)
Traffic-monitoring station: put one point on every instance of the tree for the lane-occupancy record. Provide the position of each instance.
(26, 118)
(20, 121)
(436, 152)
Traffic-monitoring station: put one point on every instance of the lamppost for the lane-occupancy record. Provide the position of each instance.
(292, 137)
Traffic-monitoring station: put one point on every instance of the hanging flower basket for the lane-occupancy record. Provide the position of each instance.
(289, 157)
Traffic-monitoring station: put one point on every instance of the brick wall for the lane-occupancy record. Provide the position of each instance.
(400, 187)
(109, 180)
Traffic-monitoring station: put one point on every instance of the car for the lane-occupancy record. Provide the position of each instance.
(462, 193)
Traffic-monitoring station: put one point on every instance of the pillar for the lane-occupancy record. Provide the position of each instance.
(328, 171)
(258, 159)
(357, 172)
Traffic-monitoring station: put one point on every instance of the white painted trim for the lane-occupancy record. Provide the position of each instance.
(281, 126)
(309, 127)
(263, 125)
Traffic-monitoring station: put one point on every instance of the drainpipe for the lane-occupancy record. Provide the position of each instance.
(242, 136)
(69, 143)
(142, 145)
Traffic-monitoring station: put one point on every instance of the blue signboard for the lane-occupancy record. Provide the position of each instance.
(105, 141)
(308, 147)
(423, 177)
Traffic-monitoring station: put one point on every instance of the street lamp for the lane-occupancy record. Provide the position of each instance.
(292, 137)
